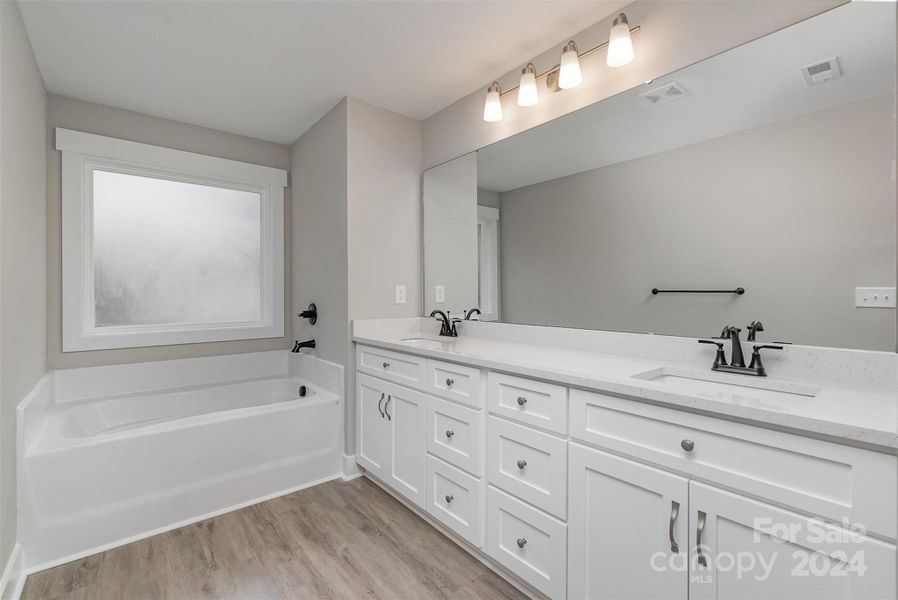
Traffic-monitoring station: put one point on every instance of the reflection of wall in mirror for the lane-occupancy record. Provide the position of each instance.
(798, 212)
(450, 235)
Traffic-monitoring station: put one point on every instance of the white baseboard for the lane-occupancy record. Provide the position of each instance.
(351, 469)
(13, 579)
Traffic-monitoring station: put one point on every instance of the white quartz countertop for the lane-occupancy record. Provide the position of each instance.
(865, 417)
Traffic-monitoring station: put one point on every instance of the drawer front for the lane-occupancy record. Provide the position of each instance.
(455, 499)
(527, 542)
(455, 382)
(812, 476)
(533, 402)
(454, 433)
(529, 464)
(394, 366)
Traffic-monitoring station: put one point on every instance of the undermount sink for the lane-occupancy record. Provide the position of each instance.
(720, 385)
(423, 342)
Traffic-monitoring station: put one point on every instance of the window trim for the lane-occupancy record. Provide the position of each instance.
(82, 153)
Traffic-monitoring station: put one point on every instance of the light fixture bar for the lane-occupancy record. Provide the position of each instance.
(586, 53)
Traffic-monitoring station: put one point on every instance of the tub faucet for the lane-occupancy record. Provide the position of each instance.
(297, 345)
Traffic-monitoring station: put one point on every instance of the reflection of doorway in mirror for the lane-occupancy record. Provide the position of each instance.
(488, 262)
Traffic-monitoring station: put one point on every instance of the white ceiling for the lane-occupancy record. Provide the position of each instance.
(270, 70)
(750, 86)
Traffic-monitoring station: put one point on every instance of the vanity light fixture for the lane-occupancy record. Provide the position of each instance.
(620, 46)
(527, 94)
(492, 110)
(569, 75)
(566, 75)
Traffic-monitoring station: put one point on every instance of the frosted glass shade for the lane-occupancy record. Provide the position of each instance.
(620, 46)
(492, 108)
(527, 94)
(569, 75)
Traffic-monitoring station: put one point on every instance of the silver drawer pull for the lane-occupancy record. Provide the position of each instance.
(700, 529)
(674, 511)
(449, 433)
(386, 365)
(522, 463)
(522, 401)
(449, 382)
(687, 445)
(449, 498)
(522, 542)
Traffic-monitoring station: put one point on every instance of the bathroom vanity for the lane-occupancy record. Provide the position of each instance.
(589, 475)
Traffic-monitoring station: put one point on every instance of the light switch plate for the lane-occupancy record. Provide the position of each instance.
(874, 297)
(440, 294)
(400, 294)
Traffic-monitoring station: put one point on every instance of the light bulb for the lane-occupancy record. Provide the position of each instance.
(620, 46)
(492, 109)
(527, 94)
(569, 73)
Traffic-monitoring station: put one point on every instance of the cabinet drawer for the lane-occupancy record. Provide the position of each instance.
(527, 542)
(455, 499)
(530, 464)
(812, 476)
(533, 402)
(454, 434)
(455, 382)
(394, 366)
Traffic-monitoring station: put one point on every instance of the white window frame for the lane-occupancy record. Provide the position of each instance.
(82, 153)
(488, 263)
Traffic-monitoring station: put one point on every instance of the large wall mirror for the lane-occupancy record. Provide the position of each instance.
(769, 167)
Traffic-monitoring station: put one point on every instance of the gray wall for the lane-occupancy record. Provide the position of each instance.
(357, 227)
(799, 213)
(23, 246)
(114, 122)
(487, 198)
(675, 33)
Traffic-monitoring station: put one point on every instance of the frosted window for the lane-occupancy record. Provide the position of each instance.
(170, 252)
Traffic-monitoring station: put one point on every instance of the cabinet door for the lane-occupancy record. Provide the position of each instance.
(750, 550)
(406, 412)
(628, 534)
(373, 427)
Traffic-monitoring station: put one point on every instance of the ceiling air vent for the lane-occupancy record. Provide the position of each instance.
(664, 94)
(822, 71)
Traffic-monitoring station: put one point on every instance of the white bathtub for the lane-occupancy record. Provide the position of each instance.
(106, 470)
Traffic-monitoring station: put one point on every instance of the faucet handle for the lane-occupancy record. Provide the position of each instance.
(756, 363)
(720, 359)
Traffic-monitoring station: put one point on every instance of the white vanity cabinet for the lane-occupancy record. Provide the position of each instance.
(587, 495)
(392, 435)
(628, 529)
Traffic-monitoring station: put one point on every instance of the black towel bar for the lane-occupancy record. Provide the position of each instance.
(739, 291)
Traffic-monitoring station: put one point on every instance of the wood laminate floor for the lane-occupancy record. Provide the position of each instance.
(336, 540)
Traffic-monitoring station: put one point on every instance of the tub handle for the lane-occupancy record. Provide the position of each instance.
(389, 417)
(379, 402)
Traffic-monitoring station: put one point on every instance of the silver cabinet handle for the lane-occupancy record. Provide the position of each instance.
(386, 405)
(386, 365)
(674, 511)
(522, 542)
(522, 463)
(687, 445)
(449, 382)
(522, 401)
(449, 498)
(449, 433)
(698, 539)
(379, 402)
